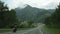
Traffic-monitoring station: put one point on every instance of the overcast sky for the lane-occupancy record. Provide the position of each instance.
(47, 4)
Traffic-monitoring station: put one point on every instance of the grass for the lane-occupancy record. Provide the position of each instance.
(3, 31)
(52, 30)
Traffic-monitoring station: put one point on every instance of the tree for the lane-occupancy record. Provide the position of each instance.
(54, 19)
(3, 9)
(7, 17)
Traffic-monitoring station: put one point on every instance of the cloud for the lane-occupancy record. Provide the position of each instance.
(34, 3)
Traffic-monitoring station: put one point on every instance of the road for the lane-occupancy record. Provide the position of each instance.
(36, 30)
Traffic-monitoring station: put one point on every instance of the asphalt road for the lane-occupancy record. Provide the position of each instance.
(36, 30)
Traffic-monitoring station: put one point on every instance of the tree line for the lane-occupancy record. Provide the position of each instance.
(7, 17)
(54, 20)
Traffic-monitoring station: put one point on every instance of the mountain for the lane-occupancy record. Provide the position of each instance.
(32, 14)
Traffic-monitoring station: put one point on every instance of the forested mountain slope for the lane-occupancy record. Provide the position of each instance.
(32, 14)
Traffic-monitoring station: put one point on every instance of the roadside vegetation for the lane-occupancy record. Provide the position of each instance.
(3, 31)
(51, 30)
(53, 22)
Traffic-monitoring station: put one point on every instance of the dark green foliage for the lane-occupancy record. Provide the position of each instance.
(7, 17)
(54, 19)
(30, 22)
